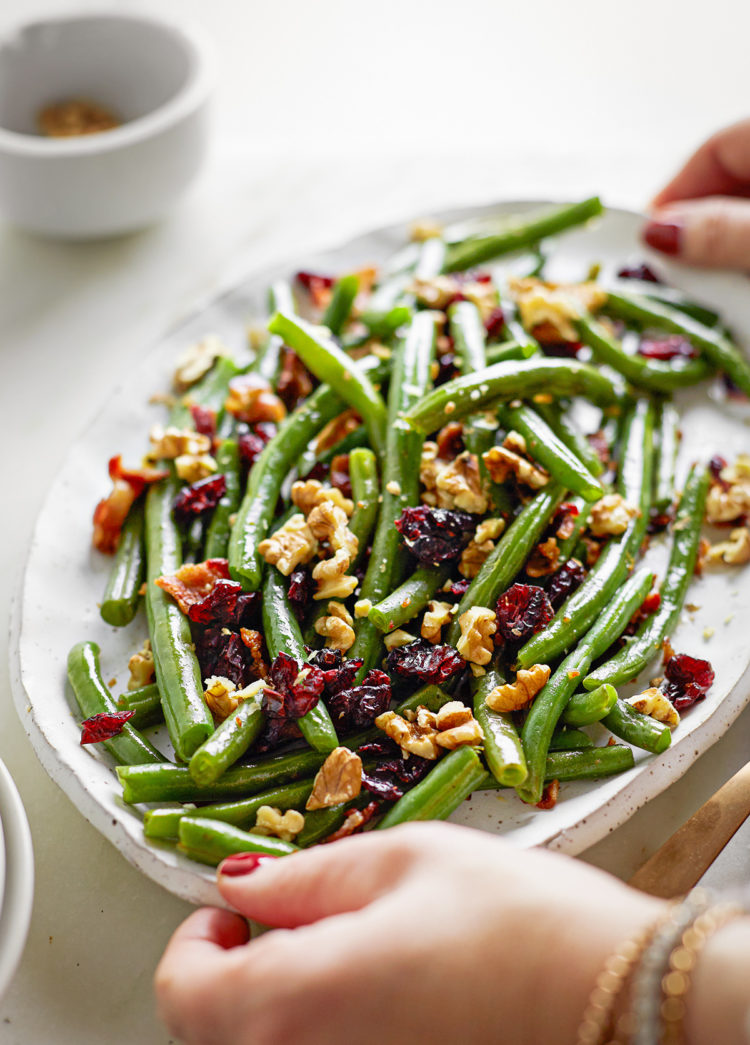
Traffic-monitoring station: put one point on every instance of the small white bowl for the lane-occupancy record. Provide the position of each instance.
(155, 75)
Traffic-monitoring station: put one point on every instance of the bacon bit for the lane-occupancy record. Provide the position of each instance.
(194, 581)
(112, 511)
(354, 822)
(251, 400)
(104, 726)
(564, 519)
(667, 651)
(704, 547)
(254, 642)
(611, 742)
(336, 430)
(295, 380)
(549, 795)
(318, 286)
(139, 478)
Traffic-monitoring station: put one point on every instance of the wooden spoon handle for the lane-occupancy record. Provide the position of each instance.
(681, 861)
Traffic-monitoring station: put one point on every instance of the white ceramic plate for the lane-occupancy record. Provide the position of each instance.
(65, 578)
(18, 892)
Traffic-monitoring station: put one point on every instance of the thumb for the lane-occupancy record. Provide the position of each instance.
(321, 882)
(714, 232)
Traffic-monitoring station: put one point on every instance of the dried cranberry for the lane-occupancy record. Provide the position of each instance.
(421, 660)
(716, 465)
(340, 474)
(314, 279)
(300, 590)
(204, 419)
(522, 611)
(435, 535)
(358, 707)
(563, 521)
(671, 346)
(565, 581)
(226, 605)
(104, 726)
(643, 272)
(295, 381)
(457, 589)
(198, 498)
(381, 748)
(686, 680)
(251, 443)
(447, 368)
(232, 660)
(495, 323)
(600, 443)
(301, 684)
(562, 349)
(391, 780)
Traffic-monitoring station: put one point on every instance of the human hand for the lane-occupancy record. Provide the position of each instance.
(703, 215)
(422, 933)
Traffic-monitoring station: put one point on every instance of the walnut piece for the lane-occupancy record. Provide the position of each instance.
(735, 551)
(479, 547)
(515, 695)
(250, 399)
(338, 780)
(458, 485)
(271, 821)
(169, 443)
(555, 305)
(729, 496)
(196, 361)
(221, 697)
(611, 515)
(309, 493)
(657, 705)
(336, 430)
(328, 523)
(436, 291)
(418, 738)
(141, 667)
(424, 228)
(478, 625)
(502, 462)
(362, 608)
(436, 616)
(399, 637)
(192, 467)
(333, 580)
(543, 559)
(292, 544)
(336, 627)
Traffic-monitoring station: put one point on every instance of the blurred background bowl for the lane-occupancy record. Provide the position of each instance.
(153, 74)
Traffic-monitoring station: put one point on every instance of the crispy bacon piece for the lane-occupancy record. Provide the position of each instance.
(254, 642)
(549, 795)
(194, 581)
(295, 380)
(111, 512)
(354, 822)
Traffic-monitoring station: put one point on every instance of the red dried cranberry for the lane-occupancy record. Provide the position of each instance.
(198, 498)
(716, 465)
(390, 780)
(204, 419)
(494, 324)
(226, 605)
(340, 474)
(300, 590)
(421, 660)
(435, 535)
(381, 748)
(480, 276)
(232, 661)
(301, 684)
(522, 611)
(686, 680)
(358, 707)
(447, 368)
(314, 279)
(457, 589)
(295, 381)
(104, 726)
(251, 442)
(658, 521)
(563, 521)
(643, 272)
(565, 581)
(671, 346)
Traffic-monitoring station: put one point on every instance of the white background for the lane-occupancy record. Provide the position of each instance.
(330, 117)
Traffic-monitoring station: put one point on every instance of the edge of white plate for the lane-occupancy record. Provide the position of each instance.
(18, 897)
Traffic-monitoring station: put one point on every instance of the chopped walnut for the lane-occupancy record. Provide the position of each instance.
(396, 638)
(250, 399)
(450, 440)
(735, 551)
(141, 666)
(479, 547)
(415, 737)
(437, 291)
(192, 467)
(221, 697)
(169, 443)
(656, 704)
(469, 732)
(454, 713)
(309, 493)
(611, 515)
(478, 625)
(333, 580)
(338, 780)
(253, 640)
(502, 463)
(483, 295)
(543, 560)
(436, 616)
(336, 627)
(362, 607)
(271, 821)
(292, 544)
(196, 361)
(489, 530)
(458, 485)
(729, 496)
(515, 695)
(328, 523)
(555, 305)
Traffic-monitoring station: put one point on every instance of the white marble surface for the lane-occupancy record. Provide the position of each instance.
(330, 118)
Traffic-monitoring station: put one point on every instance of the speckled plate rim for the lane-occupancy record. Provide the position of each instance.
(18, 893)
(88, 780)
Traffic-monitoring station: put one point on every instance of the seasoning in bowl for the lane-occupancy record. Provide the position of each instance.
(75, 117)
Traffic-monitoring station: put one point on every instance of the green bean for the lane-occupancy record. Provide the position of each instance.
(467, 331)
(217, 535)
(552, 453)
(720, 352)
(267, 362)
(551, 701)
(503, 750)
(319, 823)
(409, 599)
(584, 708)
(522, 231)
(282, 634)
(170, 783)
(592, 763)
(383, 323)
(509, 380)
(339, 307)
(566, 545)
(331, 365)
(209, 392)
(163, 823)
(505, 350)
(515, 329)
(275, 461)
(146, 702)
(177, 671)
(363, 473)
(193, 541)
(565, 428)
(441, 792)
(93, 698)
(582, 607)
(686, 532)
(431, 258)
(668, 437)
(211, 841)
(351, 441)
(569, 740)
(669, 296)
(400, 478)
(122, 593)
(652, 374)
(231, 739)
(637, 729)
(508, 556)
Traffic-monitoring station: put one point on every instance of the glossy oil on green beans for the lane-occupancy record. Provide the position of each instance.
(503, 751)
(638, 729)
(409, 599)
(552, 453)
(584, 708)
(219, 528)
(363, 475)
(122, 594)
(210, 841)
(231, 739)
(441, 792)
(339, 307)
(146, 702)
(665, 453)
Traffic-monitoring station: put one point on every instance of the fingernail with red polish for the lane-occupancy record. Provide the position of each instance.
(243, 863)
(664, 236)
